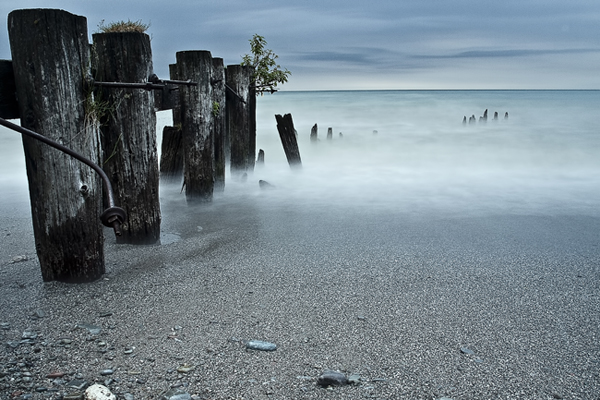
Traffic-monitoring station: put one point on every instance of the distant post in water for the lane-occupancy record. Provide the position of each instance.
(55, 101)
(287, 133)
(129, 132)
(329, 133)
(219, 121)
(313, 133)
(196, 123)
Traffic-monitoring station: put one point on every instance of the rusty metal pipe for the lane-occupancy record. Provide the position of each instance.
(113, 216)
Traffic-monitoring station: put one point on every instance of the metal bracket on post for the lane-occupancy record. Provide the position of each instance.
(154, 83)
(113, 216)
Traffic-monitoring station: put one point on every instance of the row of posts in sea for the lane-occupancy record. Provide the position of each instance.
(483, 118)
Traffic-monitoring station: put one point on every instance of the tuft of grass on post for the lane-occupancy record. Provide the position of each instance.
(123, 26)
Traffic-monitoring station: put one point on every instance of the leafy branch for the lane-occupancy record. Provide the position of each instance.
(267, 73)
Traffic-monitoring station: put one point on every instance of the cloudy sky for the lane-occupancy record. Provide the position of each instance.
(378, 44)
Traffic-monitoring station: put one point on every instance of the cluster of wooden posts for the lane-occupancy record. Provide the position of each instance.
(63, 88)
(483, 118)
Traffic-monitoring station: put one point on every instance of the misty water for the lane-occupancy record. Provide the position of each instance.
(409, 152)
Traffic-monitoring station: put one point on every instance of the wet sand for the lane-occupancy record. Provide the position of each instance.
(391, 296)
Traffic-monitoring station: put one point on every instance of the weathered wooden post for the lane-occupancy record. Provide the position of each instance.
(313, 133)
(287, 133)
(241, 126)
(129, 132)
(171, 151)
(219, 121)
(9, 108)
(54, 100)
(261, 158)
(329, 133)
(196, 122)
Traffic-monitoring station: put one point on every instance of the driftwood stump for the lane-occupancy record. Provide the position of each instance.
(55, 101)
(287, 133)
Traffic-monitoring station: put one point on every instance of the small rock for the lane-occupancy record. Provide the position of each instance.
(29, 334)
(54, 375)
(466, 350)
(107, 371)
(99, 392)
(77, 384)
(73, 396)
(4, 326)
(354, 379)
(18, 259)
(332, 378)
(260, 345)
(185, 368)
(176, 394)
(265, 185)
(94, 330)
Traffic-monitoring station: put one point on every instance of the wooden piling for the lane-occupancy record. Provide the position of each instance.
(261, 158)
(9, 108)
(219, 121)
(55, 101)
(171, 161)
(313, 133)
(287, 133)
(196, 122)
(241, 126)
(329, 133)
(129, 132)
(171, 150)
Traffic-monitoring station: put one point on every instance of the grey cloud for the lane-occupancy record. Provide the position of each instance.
(509, 53)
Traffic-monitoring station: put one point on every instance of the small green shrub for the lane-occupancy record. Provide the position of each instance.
(123, 26)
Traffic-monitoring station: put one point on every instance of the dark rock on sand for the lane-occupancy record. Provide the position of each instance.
(332, 378)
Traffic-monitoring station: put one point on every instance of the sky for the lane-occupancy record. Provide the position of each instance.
(371, 45)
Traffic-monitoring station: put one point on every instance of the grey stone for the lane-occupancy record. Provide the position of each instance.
(94, 330)
(78, 384)
(260, 345)
(176, 394)
(332, 378)
(466, 350)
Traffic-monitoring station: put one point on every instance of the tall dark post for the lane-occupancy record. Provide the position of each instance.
(241, 124)
(196, 122)
(129, 132)
(219, 121)
(171, 154)
(54, 100)
(287, 133)
(9, 108)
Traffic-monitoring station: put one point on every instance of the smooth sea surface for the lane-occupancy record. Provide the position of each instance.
(409, 152)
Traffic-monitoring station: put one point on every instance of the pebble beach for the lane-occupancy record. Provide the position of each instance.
(405, 305)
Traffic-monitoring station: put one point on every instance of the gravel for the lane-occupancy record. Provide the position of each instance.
(410, 305)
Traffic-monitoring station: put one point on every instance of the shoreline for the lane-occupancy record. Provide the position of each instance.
(390, 297)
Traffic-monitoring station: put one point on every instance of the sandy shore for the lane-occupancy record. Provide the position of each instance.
(421, 306)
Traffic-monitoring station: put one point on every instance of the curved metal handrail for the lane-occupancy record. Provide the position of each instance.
(113, 216)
